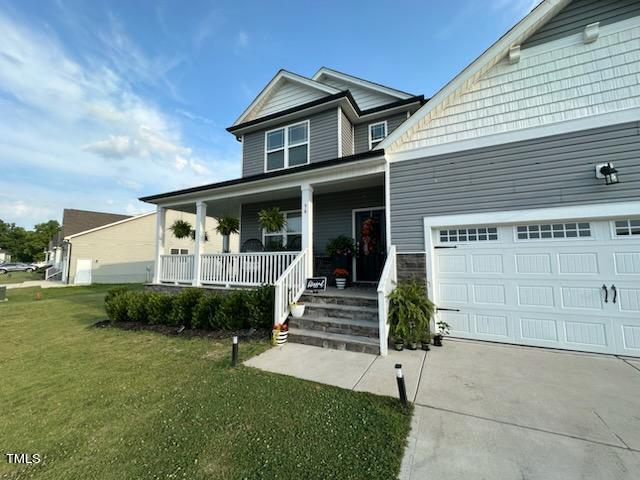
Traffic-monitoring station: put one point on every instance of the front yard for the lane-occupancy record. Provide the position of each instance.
(113, 404)
(19, 277)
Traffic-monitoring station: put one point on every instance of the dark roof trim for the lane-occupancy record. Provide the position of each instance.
(264, 176)
(295, 109)
(346, 94)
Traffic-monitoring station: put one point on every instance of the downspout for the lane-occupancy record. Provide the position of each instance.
(68, 261)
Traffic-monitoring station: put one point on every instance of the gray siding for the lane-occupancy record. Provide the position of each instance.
(323, 138)
(362, 130)
(347, 136)
(332, 214)
(544, 172)
(580, 13)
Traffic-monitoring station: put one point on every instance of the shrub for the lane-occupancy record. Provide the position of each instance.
(137, 306)
(233, 313)
(159, 307)
(183, 306)
(205, 310)
(115, 304)
(261, 303)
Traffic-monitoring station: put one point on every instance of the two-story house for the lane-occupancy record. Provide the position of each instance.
(514, 192)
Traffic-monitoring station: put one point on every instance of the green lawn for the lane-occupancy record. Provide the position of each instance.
(19, 277)
(113, 404)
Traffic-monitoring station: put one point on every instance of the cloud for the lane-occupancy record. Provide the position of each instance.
(81, 135)
(243, 40)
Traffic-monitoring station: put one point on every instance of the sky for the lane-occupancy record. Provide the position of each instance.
(102, 102)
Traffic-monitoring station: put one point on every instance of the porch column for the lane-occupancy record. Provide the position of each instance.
(201, 219)
(307, 225)
(161, 215)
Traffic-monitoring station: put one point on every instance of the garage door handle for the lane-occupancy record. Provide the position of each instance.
(446, 246)
(615, 293)
(606, 294)
(447, 309)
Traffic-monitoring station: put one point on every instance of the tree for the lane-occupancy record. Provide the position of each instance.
(27, 245)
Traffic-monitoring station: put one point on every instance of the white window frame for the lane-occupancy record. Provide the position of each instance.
(282, 233)
(179, 251)
(286, 145)
(467, 227)
(614, 232)
(592, 231)
(370, 126)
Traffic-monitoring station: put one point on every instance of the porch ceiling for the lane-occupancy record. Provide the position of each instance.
(231, 205)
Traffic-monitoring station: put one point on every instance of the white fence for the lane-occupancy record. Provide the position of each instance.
(176, 268)
(290, 286)
(245, 269)
(387, 284)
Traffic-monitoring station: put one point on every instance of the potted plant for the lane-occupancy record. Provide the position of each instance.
(341, 275)
(340, 250)
(398, 343)
(297, 309)
(443, 329)
(227, 225)
(425, 340)
(410, 312)
(271, 220)
(181, 229)
(279, 334)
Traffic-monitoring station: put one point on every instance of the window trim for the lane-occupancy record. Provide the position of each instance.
(282, 233)
(439, 238)
(286, 146)
(370, 126)
(614, 230)
(592, 231)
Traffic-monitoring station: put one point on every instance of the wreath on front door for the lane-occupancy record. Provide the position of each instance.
(368, 237)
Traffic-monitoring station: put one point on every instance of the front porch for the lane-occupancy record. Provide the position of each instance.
(318, 207)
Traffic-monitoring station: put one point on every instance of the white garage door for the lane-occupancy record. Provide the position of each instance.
(569, 284)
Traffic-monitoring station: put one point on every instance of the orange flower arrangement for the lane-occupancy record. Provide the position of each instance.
(341, 273)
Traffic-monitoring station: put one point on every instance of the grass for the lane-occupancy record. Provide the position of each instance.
(113, 404)
(19, 277)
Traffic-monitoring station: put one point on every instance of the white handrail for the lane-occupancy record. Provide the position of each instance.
(244, 269)
(176, 268)
(290, 286)
(387, 284)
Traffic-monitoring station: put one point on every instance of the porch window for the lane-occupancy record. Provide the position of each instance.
(179, 251)
(287, 147)
(377, 132)
(289, 237)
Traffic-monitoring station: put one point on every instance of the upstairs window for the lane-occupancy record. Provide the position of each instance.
(377, 133)
(287, 147)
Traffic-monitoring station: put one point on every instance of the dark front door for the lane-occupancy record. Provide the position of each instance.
(371, 251)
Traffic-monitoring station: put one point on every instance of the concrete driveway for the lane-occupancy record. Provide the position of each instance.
(493, 411)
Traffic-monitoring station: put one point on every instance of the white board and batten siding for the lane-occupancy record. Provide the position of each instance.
(541, 283)
(553, 83)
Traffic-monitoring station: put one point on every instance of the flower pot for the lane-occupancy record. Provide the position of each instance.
(425, 346)
(225, 244)
(279, 337)
(412, 345)
(437, 340)
(341, 283)
(398, 346)
(297, 310)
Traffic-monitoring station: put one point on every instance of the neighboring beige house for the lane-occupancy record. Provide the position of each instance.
(5, 257)
(124, 251)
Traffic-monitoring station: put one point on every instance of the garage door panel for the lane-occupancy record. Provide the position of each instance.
(545, 292)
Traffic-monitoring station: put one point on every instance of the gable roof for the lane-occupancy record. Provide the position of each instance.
(75, 221)
(108, 225)
(327, 73)
(526, 27)
(282, 77)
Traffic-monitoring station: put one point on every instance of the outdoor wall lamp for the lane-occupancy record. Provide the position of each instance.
(608, 172)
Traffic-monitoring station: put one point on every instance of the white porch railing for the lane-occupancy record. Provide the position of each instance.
(176, 268)
(51, 272)
(290, 286)
(245, 269)
(387, 284)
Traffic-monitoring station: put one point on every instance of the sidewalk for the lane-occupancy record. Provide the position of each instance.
(35, 283)
(354, 371)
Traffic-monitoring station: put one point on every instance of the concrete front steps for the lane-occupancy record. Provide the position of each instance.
(341, 320)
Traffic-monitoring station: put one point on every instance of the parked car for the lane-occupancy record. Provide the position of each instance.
(15, 267)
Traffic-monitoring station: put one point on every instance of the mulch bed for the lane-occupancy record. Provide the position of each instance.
(244, 334)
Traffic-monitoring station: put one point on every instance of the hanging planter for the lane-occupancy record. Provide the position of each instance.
(271, 220)
(181, 229)
(227, 225)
